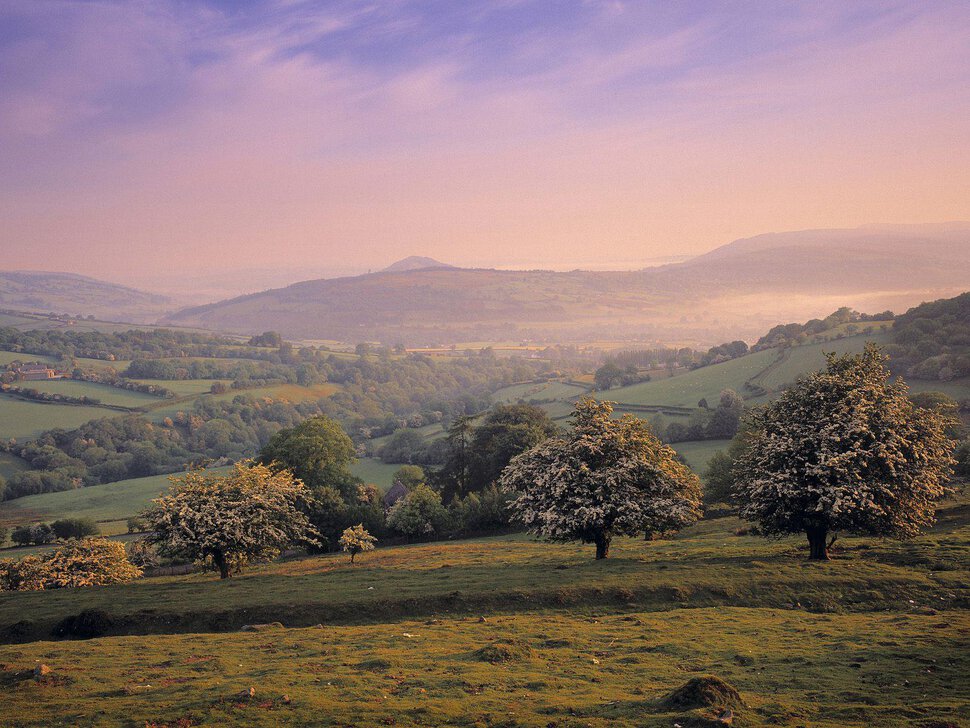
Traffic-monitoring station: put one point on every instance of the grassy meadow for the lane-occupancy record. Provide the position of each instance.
(106, 394)
(513, 631)
(22, 419)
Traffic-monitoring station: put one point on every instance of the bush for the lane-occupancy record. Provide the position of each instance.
(36, 534)
(66, 528)
(89, 562)
(419, 514)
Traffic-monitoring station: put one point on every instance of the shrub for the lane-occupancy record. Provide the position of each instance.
(88, 562)
(419, 514)
(66, 528)
(36, 534)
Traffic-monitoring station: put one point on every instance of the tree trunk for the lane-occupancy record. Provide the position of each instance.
(817, 548)
(352, 555)
(602, 541)
(219, 559)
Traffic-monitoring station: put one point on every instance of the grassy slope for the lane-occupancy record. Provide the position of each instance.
(792, 668)
(697, 454)
(686, 389)
(106, 394)
(110, 504)
(23, 420)
(540, 391)
(372, 470)
(835, 644)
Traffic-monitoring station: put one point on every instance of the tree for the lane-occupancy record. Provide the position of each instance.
(355, 539)
(504, 432)
(419, 514)
(65, 528)
(36, 534)
(604, 478)
(3, 535)
(404, 446)
(843, 450)
(409, 476)
(607, 375)
(317, 452)
(726, 417)
(250, 513)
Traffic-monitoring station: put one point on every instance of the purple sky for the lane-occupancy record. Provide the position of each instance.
(158, 136)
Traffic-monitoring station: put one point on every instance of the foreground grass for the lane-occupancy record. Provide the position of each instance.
(706, 566)
(792, 668)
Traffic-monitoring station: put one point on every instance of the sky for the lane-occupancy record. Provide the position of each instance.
(179, 138)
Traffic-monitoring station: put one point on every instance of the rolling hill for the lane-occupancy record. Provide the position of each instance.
(733, 291)
(415, 262)
(67, 293)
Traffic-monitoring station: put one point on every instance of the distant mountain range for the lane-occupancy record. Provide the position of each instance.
(733, 291)
(67, 293)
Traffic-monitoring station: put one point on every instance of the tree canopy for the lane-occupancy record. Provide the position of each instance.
(248, 514)
(317, 451)
(605, 477)
(845, 449)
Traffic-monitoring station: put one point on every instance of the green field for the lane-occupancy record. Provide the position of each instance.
(697, 454)
(110, 504)
(372, 470)
(8, 357)
(185, 387)
(10, 464)
(878, 636)
(537, 391)
(799, 360)
(103, 392)
(685, 390)
(23, 420)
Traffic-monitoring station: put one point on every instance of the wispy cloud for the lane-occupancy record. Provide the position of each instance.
(470, 131)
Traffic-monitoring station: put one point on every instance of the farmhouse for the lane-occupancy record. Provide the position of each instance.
(36, 372)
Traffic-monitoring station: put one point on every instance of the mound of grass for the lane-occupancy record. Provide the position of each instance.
(708, 691)
(499, 652)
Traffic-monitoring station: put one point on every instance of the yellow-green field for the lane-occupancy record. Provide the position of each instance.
(104, 393)
(515, 632)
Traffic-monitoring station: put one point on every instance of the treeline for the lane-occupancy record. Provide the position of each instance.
(134, 344)
(932, 341)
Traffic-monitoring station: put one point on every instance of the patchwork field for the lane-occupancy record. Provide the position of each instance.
(424, 635)
(538, 391)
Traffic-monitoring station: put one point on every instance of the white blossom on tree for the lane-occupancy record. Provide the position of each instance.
(605, 477)
(355, 540)
(843, 450)
(250, 513)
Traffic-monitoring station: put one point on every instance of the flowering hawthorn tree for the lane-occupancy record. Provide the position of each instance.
(605, 477)
(356, 539)
(248, 514)
(843, 450)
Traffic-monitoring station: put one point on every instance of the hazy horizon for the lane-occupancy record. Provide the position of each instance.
(141, 142)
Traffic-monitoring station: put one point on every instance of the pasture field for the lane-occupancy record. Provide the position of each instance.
(103, 392)
(514, 632)
(10, 464)
(185, 387)
(800, 360)
(698, 453)
(791, 668)
(110, 504)
(685, 390)
(372, 470)
(8, 357)
(22, 419)
(538, 391)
